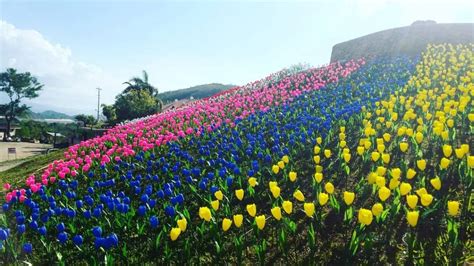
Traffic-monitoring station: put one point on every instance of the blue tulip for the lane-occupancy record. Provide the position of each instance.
(28, 248)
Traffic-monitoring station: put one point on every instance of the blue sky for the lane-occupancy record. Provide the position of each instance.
(75, 46)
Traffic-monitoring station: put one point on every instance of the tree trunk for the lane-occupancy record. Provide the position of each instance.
(7, 131)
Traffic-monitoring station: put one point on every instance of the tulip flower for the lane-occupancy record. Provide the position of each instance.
(426, 199)
(412, 217)
(275, 169)
(285, 159)
(215, 204)
(226, 223)
(377, 209)
(287, 206)
(384, 193)
(218, 194)
(298, 195)
(347, 157)
(292, 176)
(348, 197)
(421, 164)
(275, 191)
(239, 193)
(365, 216)
(360, 150)
(327, 153)
(393, 184)
(375, 156)
(419, 137)
(252, 181)
(309, 209)
(396, 173)
(453, 208)
(204, 213)
(436, 183)
(411, 173)
(276, 212)
(470, 161)
(421, 191)
(260, 220)
(329, 187)
(323, 198)
(386, 158)
(405, 188)
(238, 219)
(403, 146)
(182, 224)
(319, 140)
(318, 177)
(447, 150)
(444, 163)
(174, 233)
(317, 159)
(459, 153)
(412, 201)
(252, 209)
(317, 149)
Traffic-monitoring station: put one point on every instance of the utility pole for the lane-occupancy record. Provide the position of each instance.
(98, 103)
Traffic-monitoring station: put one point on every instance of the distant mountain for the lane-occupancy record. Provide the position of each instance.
(49, 114)
(409, 41)
(197, 92)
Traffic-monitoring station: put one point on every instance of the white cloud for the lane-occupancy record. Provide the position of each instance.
(69, 84)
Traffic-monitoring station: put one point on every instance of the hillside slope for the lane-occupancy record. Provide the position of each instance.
(411, 40)
(197, 92)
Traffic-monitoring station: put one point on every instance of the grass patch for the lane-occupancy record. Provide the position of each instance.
(18, 174)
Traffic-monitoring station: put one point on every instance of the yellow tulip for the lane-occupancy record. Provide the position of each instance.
(252, 181)
(347, 157)
(396, 173)
(252, 209)
(447, 150)
(317, 159)
(285, 159)
(205, 213)
(412, 201)
(292, 176)
(405, 188)
(381, 148)
(471, 117)
(317, 149)
(319, 140)
(287, 206)
(342, 143)
(367, 145)
(444, 163)
(360, 150)
(470, 161)
(329, 187)
(215, 204)
(421, 191)
(275, 169)
(411, 173)
(239, 193)
(403, 146)
(327, 153)
(318, 177)
(384, 193)
(453, 208)
(174, 233)
(281, 164)
(276, 212)
(342, 129)
(375, 156)
(377, 209)
(260, 220)
(226, 223)
(393, 184)
(298, 195)
(465, 148)
(371, 178)
(238, 219)
(459, 153)
(386, 158)
(426, 199)
(182, 224)
(380, 181)
(365, 216)
(348, 197)
(272, 184)
(275, 191)
(412, 217)
(218, 194)
(381, 171)
(436, 183)
(419, 137)
(421, 164)
(309, 209)
(386, 137)
(323, 198)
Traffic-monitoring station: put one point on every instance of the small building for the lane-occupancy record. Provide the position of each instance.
(14, 126)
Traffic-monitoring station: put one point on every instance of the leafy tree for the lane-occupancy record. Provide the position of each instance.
(135, 104)
(17, 86)
(109, 112)
(142, 84)
(86, 119)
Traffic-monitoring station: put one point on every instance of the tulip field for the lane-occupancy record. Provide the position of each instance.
(364, 162)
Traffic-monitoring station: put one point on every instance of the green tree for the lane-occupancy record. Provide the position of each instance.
(17, 86)
(109, 112)
(86, 119)
(135, 104)
(142, 84)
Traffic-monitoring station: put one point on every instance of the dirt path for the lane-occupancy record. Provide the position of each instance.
(24, 150)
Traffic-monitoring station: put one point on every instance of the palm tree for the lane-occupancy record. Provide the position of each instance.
(142, 84)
